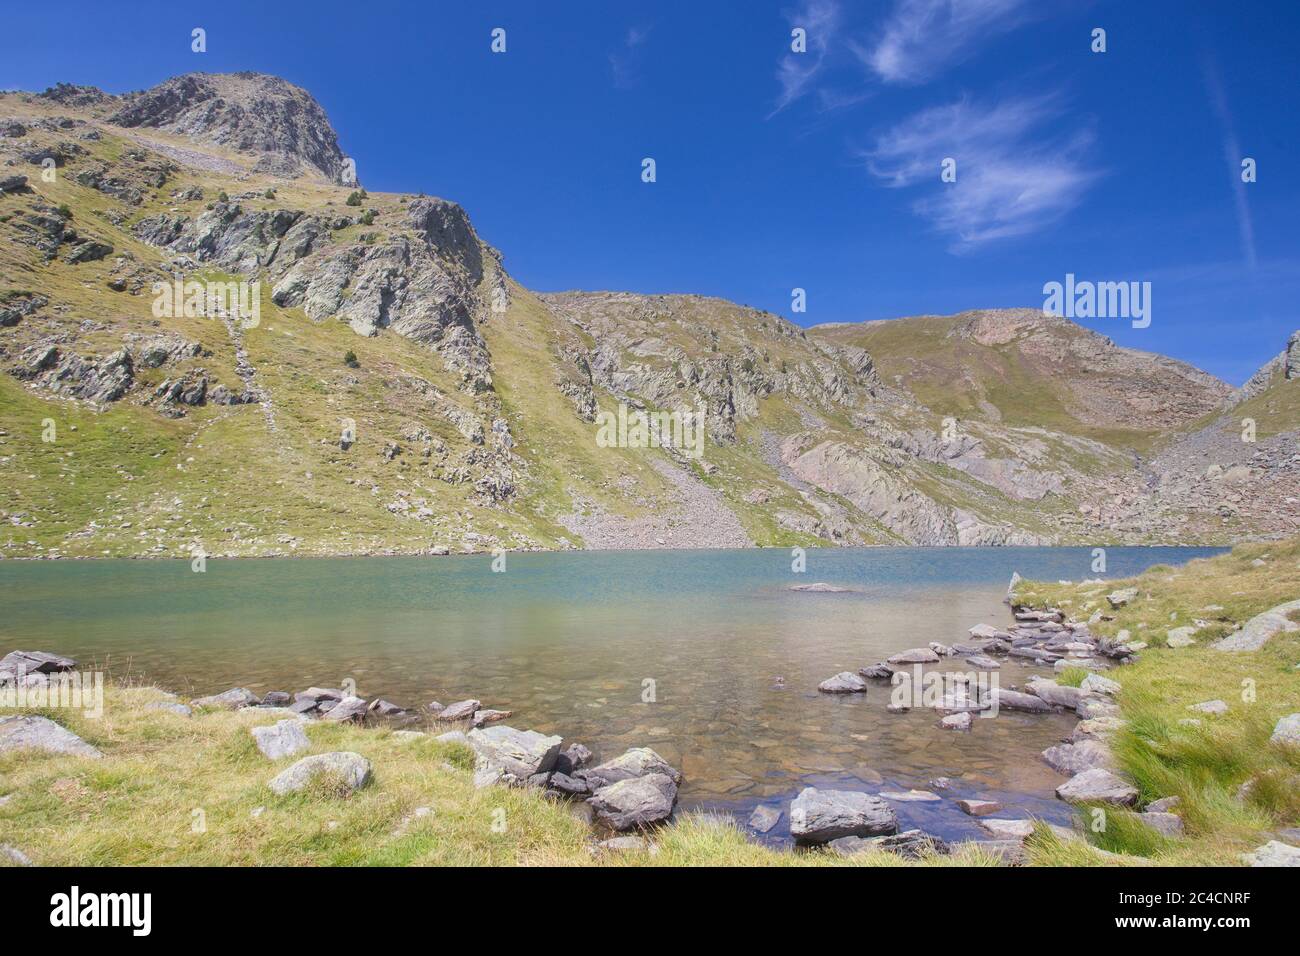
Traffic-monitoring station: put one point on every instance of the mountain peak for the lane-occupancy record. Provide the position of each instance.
(253, 113)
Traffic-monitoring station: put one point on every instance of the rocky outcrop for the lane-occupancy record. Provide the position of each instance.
(279, 124)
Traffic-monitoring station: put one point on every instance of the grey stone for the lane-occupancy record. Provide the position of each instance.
(385, 708)
(636, 762)
(979, 808)
(567, 785)
(1163, 805)
(482, 718)
(983, 662)
(1076, 757)
(917, 655)
(36, 662)
(350, 771)
(461, 710)
(1215, 707)
(819, 816)
(1059, 694)
(518, 754)
(573, 758)
(454, 737)
(1098, 785)
(1166, 824)
(1286, 732)
(41, 733)
(880, 671)
(764, 818)
(635, 802)
(232, 699)
(171, 706)
(845, 682)
(1096, 684)
(1122, 597)
(15, 856)
(960, 721)
(282, 739)
(1256, 632)
(349, 708)
(1014, 700)
(1274, 853)
(912, 844)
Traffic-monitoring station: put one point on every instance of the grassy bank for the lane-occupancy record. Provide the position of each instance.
(1205, 764)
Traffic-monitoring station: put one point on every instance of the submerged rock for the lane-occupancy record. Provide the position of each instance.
(764, 818)
(917, 655)
(979, 808)
(1077, 757)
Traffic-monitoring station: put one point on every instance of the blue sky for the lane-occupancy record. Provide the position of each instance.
(818, 170)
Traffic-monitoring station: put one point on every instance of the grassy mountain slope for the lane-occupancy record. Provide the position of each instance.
(471, 402)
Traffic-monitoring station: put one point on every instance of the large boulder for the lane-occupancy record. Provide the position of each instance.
(35, 662)
(514, 755)
(636, 762)
(232, 699)
(635, 802)
(282, 739)
(1098, 785)
(346, 770)
(819, 816)
(40, 733)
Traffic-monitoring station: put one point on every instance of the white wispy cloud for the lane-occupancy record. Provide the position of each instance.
(625, 64)
(921, 37)
(795, 73)
(1233, 154)
(1012, 177)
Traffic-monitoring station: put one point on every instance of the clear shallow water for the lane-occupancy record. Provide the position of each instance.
(567, 641)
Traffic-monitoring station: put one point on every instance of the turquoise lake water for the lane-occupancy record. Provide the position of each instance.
(568, 641)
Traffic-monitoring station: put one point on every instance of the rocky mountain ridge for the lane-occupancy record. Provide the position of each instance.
(401, 392)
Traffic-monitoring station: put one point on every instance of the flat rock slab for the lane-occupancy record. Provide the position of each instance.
(1014, 700)
(917, 655)
(979, 808)
(41, 733)
(1274, 853)
(350, 771)
(1077, 757)
(36, 662)
(1096, 684)
(819, 588)
(282, 739)
(845, 682)
(636, 802)
(910, 796)
(983, 662)
(1256, 632)
(461, 710)
(819, 816)
(232, 699)
(519, 754)
(1098, 786)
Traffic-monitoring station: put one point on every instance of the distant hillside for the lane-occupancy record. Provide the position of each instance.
(400, 392)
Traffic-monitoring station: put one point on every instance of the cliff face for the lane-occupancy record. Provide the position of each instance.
(396, 390)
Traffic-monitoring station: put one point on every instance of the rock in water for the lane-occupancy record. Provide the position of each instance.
(350, 771)
(845, 682)
(979, 808)
(764, 818)
(516, 754)
(635, 802)
(282, 739)
(917, 655)
(819, 816)
(40, 733)
(912, 844)
(36, 662)
(461, 710)
(1098, 785)
(1078, 757)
